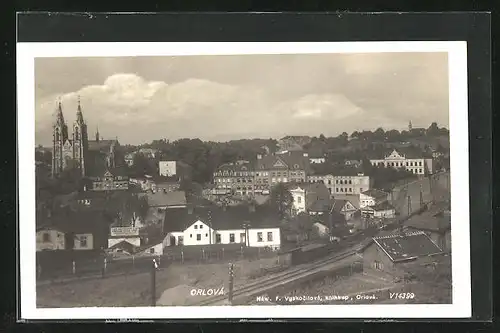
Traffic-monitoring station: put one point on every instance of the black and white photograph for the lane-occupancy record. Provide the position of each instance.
(247, 176)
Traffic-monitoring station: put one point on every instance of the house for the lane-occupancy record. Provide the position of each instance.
(383, 210)
(167, 168)
(285, 167)
(321, 229)
(353, 163)
(129, 159)
(411, 159)
(385, 255)
(344, 207)
(164, 200)
(148, 152)
(436, 223)
(128, 234)
(154, 248)
(254, 226)
(235, 178)
(343, 183)
(69, 230)
(317, 158)
(372, 197)
(312, 198)
(109, 179)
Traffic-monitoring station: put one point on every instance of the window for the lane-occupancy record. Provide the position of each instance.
(46, 237)
(360, 189)
(198, 237)
(218, 238)
(420, 163)
(196, 226)
(406, 163)
(337, 189)
(152, 250)
(329, 182)
(259, 237)
(378, 265)
(350, 189)
(231, 238)
(83, 241)
(420, 170)
(299, 199)
(341, 190)
(350, 182)
(201, 226)
(269, 236)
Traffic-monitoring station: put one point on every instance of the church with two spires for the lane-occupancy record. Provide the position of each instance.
(100, 161)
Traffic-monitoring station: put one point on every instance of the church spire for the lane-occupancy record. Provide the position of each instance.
(59, 116)
(410, 127)
(97, 134)
(79, 115)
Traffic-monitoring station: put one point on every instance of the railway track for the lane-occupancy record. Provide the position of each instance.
(263, 285)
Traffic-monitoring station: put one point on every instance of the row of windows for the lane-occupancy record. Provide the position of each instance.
(344, 189)
(218, 237)
(398, 164)
(416, 170)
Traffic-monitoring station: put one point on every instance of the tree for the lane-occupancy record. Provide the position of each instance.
(281, 199)
(379, 134)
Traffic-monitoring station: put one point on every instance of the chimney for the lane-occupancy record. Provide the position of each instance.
(259, 156)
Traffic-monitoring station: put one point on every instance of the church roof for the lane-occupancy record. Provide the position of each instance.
(101, 145)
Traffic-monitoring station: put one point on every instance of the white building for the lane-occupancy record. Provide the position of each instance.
(127, 234)
(419, 165)
(382, 210)
(232, 225)
(317, 160)
(372, 197)
(343, 185)
(50, 239)
(167, 168)
(310, 197)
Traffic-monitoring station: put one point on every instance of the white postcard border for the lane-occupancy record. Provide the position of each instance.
(459, 163)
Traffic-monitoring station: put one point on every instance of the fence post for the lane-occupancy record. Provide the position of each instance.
(202, 254)
(258, 253)
(182, 257)
(104, 267)
(133, 261)
(231, 281)
(39, 271)
(241, 251)
(222, 253)
(154, 266)
(74, 267)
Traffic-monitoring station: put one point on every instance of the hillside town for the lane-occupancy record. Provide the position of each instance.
(99, 201)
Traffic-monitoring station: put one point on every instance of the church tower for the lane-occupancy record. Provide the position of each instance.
(80, 140)
(59, 137)
(410, 127)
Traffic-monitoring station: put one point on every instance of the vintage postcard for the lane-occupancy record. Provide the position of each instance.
(243, 180)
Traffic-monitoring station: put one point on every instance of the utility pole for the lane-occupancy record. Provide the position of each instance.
(231, 281)
(154, 267)
(409, 206)
(421, 200)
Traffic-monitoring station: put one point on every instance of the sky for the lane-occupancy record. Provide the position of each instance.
(219, 98)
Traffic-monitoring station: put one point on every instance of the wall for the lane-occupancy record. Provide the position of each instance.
(366, 201)
(350, 184)
(167, 168)
(253, 237)
(136, 241)
(429, 165)
(388, 214)
(374, 254)
(79, 244)
(190, 233)
(299, 206)
(56, 240)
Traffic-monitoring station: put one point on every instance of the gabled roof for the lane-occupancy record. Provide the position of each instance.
(130, 248)
(178, 219)
(236, 167)
(68, 221)
(407, 246)
(292, 160)
(376, 194)
(353, 199)
(339, 204)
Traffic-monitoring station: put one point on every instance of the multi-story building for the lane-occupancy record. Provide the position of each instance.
(286, 167)
(237, 178)
(411, 160)
(343, 184)
(167, 168)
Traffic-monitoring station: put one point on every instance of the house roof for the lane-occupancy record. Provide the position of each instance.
(407, 246)
(353, 199)
(339, 204)
(88, 221)
(162, 199)
(376, 194)
(178, 219)
(130, 248)
(101, 145)
(409, 152)
(293, 160)
(237, 167)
